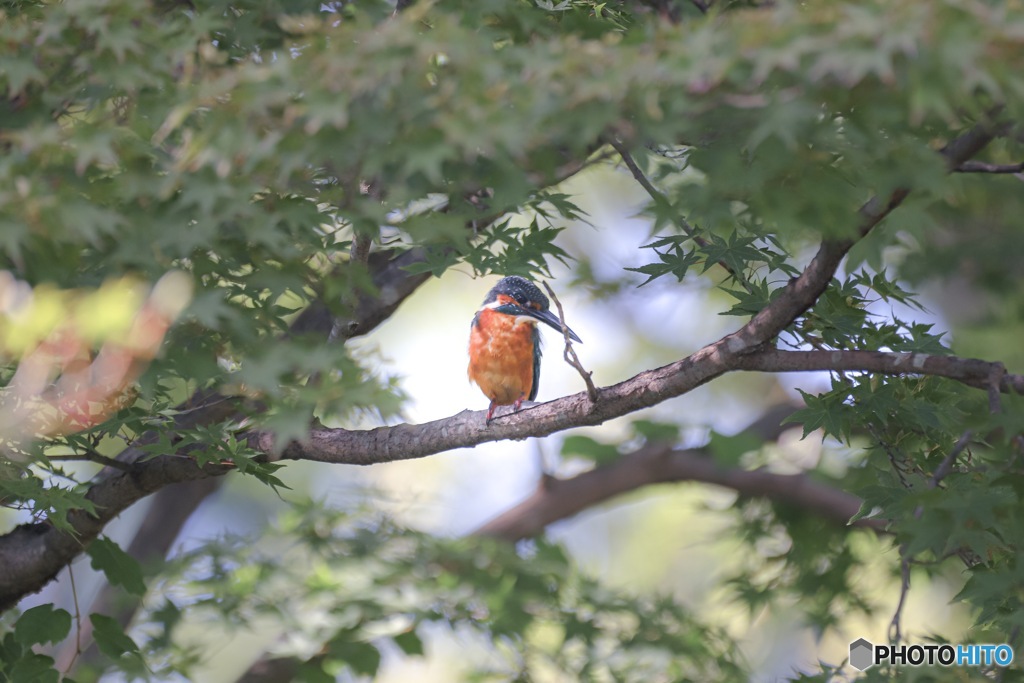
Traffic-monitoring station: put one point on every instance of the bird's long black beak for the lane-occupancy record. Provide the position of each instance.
(552, 320)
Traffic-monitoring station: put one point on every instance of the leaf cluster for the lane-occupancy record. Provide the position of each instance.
(373, 586)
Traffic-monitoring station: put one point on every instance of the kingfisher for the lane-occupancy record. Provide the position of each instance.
(504, 342)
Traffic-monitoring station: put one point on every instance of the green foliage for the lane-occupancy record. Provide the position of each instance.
(42, 624)
(23, 488)
(655, 432)
(120, 568)
(727, 450)
(812, 562)
(371, 585)
(36, 626)
(22, 664)
(589, 449)
(115, 644)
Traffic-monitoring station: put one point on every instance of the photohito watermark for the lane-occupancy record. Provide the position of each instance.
(863, 654)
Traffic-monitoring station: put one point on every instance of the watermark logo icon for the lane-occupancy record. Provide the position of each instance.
(862, 654)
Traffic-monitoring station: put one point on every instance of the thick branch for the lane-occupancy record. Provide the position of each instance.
(801, 293)
(558, 499)
(466, 429)
(649, 388)
(394, 284)
(561, 498)
(970, 371)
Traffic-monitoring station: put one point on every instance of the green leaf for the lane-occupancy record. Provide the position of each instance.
(112, 640)
(42, 624)
(410, 642)
(826, 411)
(56, 500)
(674, 260)
(120, 568)
(728, 450)
(264, 472)
(865, 509)
(313, 672)
(585, 447)
(654, 432)
(361, 658)
(34, 667)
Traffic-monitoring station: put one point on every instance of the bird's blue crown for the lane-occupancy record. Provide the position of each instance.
(520, 289)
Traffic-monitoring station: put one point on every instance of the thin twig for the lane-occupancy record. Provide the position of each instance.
(93, 456)
(941, 472)
(660, 199)
(895, 633)
(946, 466)
(575, 167)
(983, 167)
(78, 621)
(570, 354)
(655, 193)
(894, 458)
(995, 380)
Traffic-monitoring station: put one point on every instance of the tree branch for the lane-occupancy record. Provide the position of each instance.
(558, 499)
(561, 498)
(983, 167)
(660, 200)
(970, 371)
(646, 389)
(569, 354)
(946, 466)
(467, 429)
(92, 456)
(32, 554)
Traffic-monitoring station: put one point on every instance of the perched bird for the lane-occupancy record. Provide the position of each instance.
(504, 342)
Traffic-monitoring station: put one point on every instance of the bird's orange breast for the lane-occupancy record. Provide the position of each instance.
(501, 356)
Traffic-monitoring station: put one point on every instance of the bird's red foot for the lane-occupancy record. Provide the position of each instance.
(517, 404)
(490, 412)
